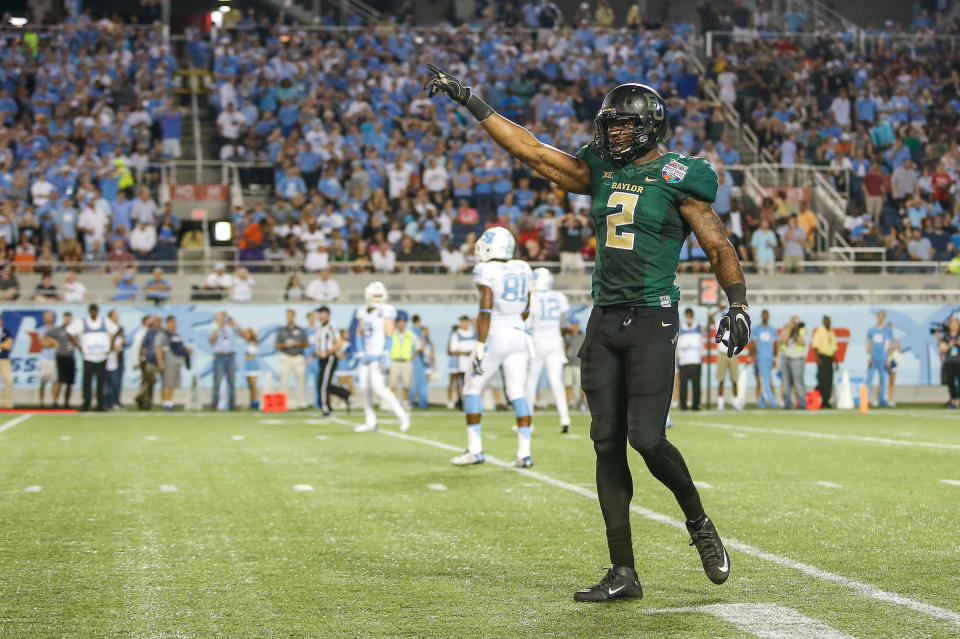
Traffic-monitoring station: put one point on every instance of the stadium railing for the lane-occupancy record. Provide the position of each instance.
(843, 261)
(862, 41)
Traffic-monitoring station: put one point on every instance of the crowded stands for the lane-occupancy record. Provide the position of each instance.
(359, 166)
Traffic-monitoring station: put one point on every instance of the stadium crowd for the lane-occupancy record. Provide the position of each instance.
(365, 168)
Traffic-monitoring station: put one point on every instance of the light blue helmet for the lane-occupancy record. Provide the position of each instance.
(496, 243)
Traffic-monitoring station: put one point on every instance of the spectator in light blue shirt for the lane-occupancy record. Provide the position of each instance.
(121, 212)
(158, 289)
(291, 184)
(509, 210)
(127, 290)
(866, 108)
(794, 20)
(764, 244)
(224, 340)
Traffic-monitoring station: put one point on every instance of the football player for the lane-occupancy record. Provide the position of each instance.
(374, 335)
(503, 284)
(548, 310)
(645, 204)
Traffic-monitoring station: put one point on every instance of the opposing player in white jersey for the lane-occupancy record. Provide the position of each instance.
(503, 284)
(548, 310)
(374, 335)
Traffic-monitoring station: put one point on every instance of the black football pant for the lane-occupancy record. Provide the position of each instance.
(825, 377)
(325, 387)
(690, 376)
(627, 370)
(91, 371)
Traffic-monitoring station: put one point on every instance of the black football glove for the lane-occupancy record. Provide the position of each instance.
(442, 82)
(737, 323)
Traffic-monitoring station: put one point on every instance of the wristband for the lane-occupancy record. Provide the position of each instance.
(480, 109)
(737, 294)
(484, 310)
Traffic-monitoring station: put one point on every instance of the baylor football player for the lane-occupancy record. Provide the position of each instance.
(645, 204)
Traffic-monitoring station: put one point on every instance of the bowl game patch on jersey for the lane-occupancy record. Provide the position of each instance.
(673, 172)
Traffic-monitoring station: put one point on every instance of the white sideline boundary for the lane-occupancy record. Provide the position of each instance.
(16, 420)
(816, 435)
(766, 621)
(865, 590)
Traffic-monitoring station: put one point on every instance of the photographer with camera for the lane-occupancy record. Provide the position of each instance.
(793, 355)
(950, 351)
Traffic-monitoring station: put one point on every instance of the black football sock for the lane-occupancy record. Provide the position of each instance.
(666, 464)
(615, 489)
(620, 543)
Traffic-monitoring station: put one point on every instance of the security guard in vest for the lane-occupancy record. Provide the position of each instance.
(406, 345)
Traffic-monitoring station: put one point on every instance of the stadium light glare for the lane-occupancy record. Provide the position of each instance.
(17, 22)
(224, 9)
(222, 231)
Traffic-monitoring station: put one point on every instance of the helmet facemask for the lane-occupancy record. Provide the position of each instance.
(622, 138)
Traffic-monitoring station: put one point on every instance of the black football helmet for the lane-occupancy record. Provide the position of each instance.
(639, 116)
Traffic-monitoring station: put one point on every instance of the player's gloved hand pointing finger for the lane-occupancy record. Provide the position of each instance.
(737, 323)
(443, 82)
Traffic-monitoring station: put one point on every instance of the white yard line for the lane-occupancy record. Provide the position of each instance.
(862, 589)
(168, 488)
(766, 621)
(436, 487)
(16, 420)
(33, 489)
(951, 482)
(303, 488)
(816, 435)
(238, 438)
(827, 484)
(702, 484)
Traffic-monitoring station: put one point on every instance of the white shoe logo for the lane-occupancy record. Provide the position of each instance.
(726, 563)
(613, 591)
(664, 324)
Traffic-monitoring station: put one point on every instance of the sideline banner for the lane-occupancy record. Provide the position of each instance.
(911, 325)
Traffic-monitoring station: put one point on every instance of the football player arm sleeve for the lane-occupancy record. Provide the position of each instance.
(568, 172)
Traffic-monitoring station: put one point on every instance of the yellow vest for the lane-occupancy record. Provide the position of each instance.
(402, 349)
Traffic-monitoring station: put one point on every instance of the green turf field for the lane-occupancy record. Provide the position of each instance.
(246, 525)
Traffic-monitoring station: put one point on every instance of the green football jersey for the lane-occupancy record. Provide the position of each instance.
(639, 227)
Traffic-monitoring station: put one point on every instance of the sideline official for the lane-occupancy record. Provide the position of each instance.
(326, 345)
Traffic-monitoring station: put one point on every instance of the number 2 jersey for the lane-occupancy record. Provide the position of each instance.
(510, 283)
(638, 224)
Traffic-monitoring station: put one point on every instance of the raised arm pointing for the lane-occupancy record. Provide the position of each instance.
(570, 173)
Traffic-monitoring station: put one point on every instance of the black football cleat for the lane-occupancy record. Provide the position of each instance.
(716, 560)
(619, 583)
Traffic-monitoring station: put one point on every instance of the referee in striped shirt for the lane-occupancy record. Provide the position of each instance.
(326, 344)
